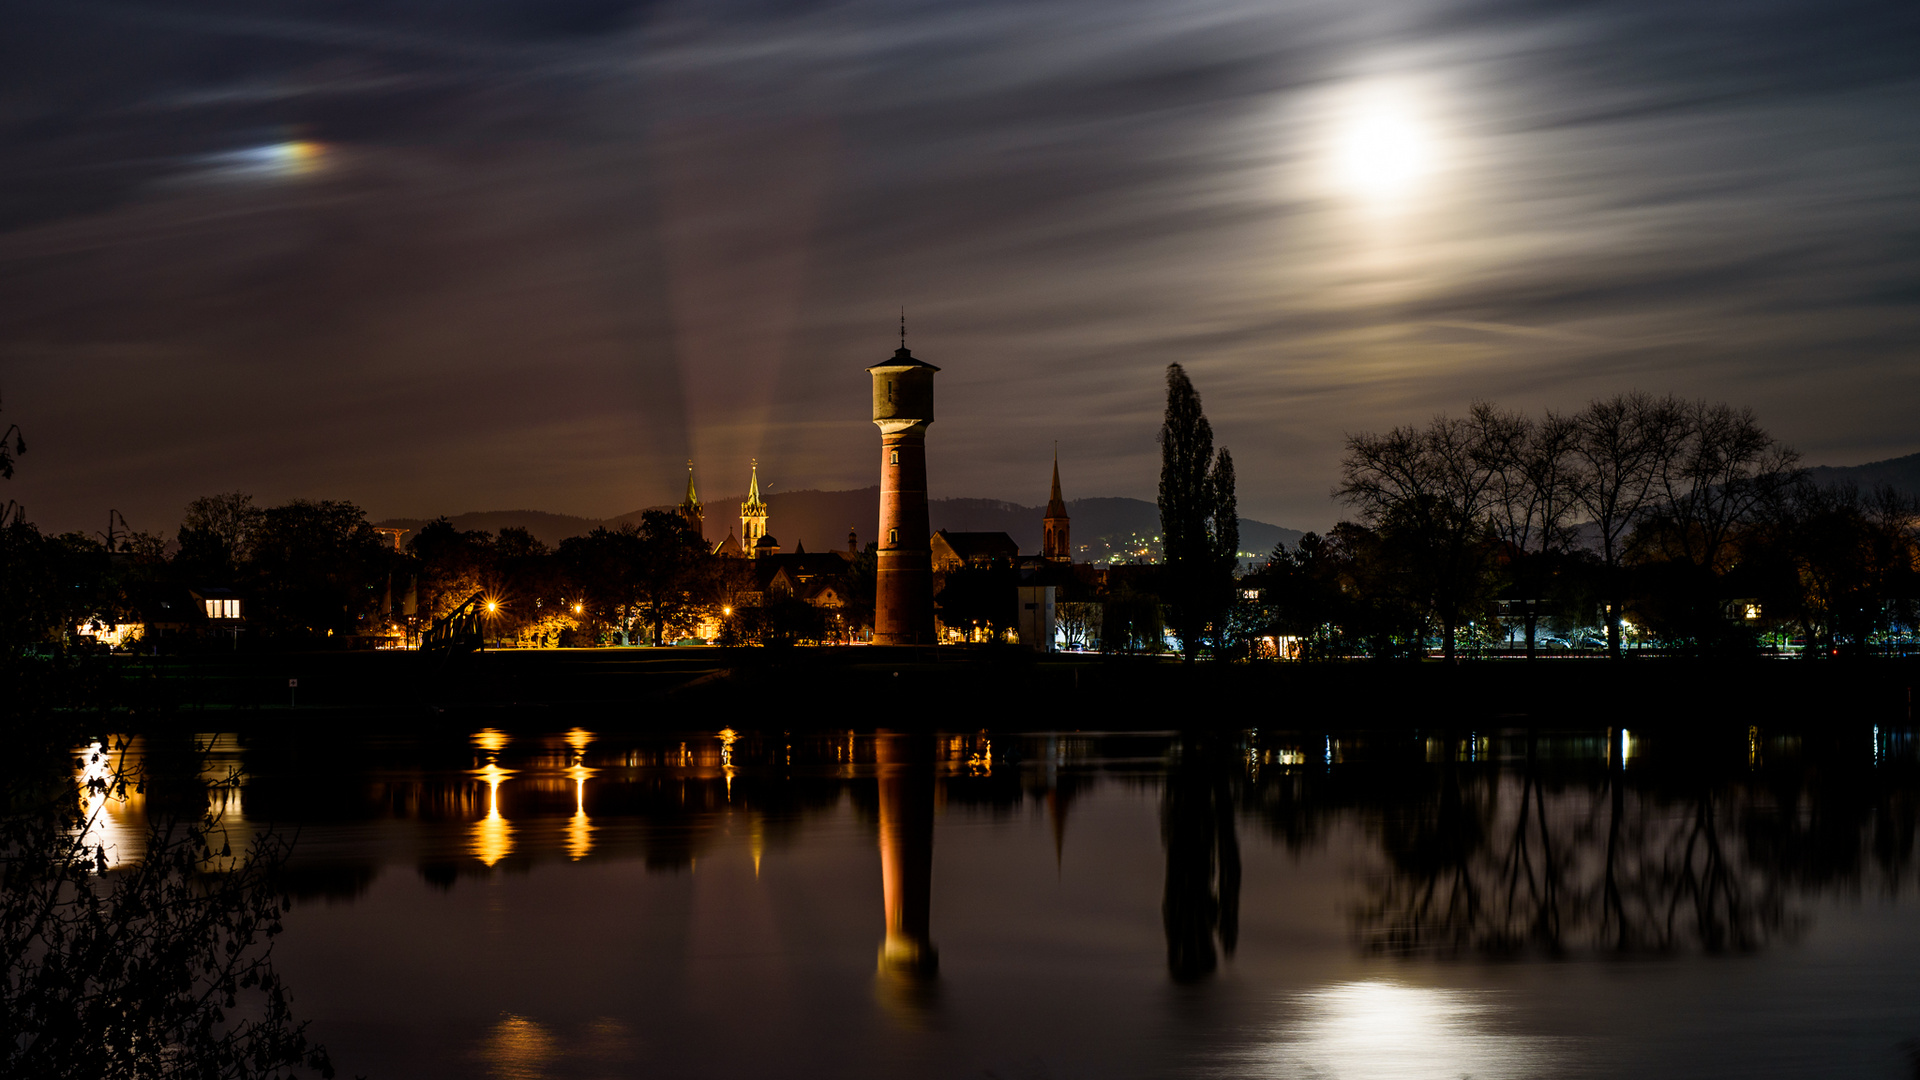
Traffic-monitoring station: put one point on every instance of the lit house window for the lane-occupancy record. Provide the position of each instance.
(223, 609)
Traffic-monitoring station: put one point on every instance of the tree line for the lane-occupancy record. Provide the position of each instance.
(313, 573)
(1683, 524)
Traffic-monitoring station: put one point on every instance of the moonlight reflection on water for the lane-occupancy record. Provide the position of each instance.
(1383, 1030)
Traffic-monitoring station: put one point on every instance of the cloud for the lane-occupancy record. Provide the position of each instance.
(558, 247)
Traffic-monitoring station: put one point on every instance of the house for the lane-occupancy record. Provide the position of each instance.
(821, 579)
(167, 611)
(954, 550)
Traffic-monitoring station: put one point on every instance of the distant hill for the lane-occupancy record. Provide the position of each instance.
(820, 520)
(547, 528)
(1901, 473)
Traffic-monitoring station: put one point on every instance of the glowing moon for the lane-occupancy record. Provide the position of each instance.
(1382, 149)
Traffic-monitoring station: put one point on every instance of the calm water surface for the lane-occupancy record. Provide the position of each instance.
(842, 904)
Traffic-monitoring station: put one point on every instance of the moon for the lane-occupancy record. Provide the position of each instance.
(1383, 149)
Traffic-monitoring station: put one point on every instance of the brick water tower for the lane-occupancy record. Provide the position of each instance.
(902, 408)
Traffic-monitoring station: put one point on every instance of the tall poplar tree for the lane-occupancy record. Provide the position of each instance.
(1199, 523)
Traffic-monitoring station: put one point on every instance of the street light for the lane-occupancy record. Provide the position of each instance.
(493, 606)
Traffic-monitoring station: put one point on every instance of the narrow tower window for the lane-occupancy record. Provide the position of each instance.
(893, 536)
(893, 458)
(889, 389)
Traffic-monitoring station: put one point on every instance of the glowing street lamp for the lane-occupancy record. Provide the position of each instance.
(493, 608)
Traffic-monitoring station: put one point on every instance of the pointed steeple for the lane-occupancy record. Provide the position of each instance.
(1055, 530)
(1056, 506)
(753, 513)
(690, 509)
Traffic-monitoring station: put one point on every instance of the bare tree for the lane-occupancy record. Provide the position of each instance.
(1726, 469)
(229, 520)
(1535, 488)
(1623, 448)
(1434, 490)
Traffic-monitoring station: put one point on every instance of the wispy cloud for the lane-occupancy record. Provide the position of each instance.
(687, 227)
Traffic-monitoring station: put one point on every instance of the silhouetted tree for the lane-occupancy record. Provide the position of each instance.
(1130, 619)
(216, 537)
(1535, 491)
(315, 570)
(452, 565)
(158, 968)
(668, 582)
(1626, 444)
(1724, 477)
(1431, 494)
(1847, 565)
(604, 566)
(1199, 526)
(12, 444)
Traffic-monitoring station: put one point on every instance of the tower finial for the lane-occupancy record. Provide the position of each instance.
(903, 326)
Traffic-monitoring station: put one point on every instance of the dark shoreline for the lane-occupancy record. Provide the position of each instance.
(966, 689)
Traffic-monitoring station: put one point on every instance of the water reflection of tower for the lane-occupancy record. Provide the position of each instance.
(905, 767)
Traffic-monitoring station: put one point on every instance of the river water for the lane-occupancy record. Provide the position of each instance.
(581, 903)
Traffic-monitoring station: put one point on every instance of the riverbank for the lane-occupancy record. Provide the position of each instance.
(957, 689)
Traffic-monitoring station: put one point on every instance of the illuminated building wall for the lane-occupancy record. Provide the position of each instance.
(902, 409)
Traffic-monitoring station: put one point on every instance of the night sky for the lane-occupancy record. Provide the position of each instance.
(443, 255)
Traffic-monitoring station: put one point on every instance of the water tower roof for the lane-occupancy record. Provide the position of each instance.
(902, 359)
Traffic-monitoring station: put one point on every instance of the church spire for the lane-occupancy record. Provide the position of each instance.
(690, 509)
(753, 513)
(1054, 544)
(1056, 506)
